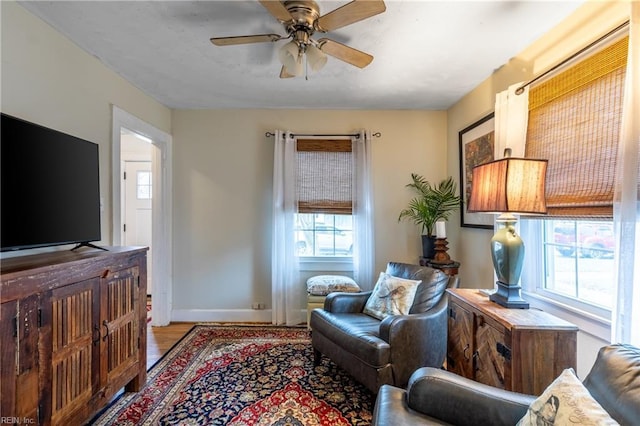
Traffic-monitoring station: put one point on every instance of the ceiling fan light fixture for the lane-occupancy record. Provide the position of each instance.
(315, 58)
(301, 19)
(297, 69)
(291, 58)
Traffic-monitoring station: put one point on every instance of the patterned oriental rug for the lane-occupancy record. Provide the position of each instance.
(251, 375)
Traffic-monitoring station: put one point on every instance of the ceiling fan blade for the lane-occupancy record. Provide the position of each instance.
(285, 74)
(352, 12)
(345, 53)
(277, 9)
(258, 38)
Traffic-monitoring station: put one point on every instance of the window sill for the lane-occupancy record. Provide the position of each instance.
(588, 323)
(338, 264)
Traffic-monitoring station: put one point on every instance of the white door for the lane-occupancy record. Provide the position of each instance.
(137, 208)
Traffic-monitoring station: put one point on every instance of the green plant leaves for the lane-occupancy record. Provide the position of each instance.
(432, 203)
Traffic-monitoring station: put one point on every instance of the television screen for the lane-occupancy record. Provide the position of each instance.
(50, 189)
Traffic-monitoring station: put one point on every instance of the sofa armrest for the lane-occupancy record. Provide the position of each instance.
(391, 409)
(457, 400)
(416, 340)
(346, 302)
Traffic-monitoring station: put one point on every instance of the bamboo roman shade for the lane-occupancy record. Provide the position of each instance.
(574, 122)
(325, 176)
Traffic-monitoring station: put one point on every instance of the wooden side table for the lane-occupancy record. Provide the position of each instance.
(447, 268)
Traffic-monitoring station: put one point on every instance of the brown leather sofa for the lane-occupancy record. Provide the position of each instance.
(437, 397)
(378, 352)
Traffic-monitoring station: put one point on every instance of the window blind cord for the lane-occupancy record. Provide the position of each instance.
(520, 90)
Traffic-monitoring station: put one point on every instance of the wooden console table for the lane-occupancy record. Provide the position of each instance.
(521, 350)
(73, 332)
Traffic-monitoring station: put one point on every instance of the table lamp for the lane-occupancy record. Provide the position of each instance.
(508, 186)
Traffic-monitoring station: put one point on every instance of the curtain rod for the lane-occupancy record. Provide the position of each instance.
(377, 135)
(520, 90)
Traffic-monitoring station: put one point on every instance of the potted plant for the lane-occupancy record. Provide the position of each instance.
(432, 203)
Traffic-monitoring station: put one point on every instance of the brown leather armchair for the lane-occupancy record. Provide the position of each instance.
(378, 352)
(437, 397)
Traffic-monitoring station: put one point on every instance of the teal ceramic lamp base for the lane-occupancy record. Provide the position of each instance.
(507, 253)
(509, 296)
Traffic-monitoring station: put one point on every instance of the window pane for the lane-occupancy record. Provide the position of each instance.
(324, 235)
(143, 185)
(579, 260)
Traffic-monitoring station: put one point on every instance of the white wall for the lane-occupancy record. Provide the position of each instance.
(223, 165)
(48, 80)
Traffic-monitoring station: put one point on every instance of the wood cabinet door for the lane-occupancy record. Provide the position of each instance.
(460, 341)
(489, 364)
(19, 368)
(8, 357)
(120, 313)
(73, 336)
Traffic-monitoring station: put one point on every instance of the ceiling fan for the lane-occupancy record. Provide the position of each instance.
(301, 19)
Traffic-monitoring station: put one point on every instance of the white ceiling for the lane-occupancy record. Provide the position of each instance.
(428, 54)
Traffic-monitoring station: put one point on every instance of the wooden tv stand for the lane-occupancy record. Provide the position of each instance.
(73, 332)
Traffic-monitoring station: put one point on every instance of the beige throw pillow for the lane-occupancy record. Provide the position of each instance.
(321, 285)
(566, 402)
(391, 296)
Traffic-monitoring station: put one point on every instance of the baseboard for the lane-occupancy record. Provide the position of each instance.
(221, 315)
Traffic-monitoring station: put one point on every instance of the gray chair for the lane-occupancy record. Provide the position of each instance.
(437, 397)
(378, 352)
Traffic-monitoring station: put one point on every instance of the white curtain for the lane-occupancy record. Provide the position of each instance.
(363, 238)
(286, 288)
(511, 119)
(626, 210)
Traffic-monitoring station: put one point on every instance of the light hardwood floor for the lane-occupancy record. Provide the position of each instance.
(161, 339)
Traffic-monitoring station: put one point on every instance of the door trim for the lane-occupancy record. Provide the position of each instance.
(161, 216)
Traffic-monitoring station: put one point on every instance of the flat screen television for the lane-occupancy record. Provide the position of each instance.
(50, 187)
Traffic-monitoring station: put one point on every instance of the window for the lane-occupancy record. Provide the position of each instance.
(324, 235)
(322, 200)
(143, 185)
(574, 122)
(324, 223)
(570, 263)
(578, 261)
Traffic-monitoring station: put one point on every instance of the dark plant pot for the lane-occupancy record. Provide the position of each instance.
(428, 246)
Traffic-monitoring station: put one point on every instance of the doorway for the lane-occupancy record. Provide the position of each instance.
(137, 190)
(157, 181)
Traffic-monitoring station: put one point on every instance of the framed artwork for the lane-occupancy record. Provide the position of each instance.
(476, 147)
